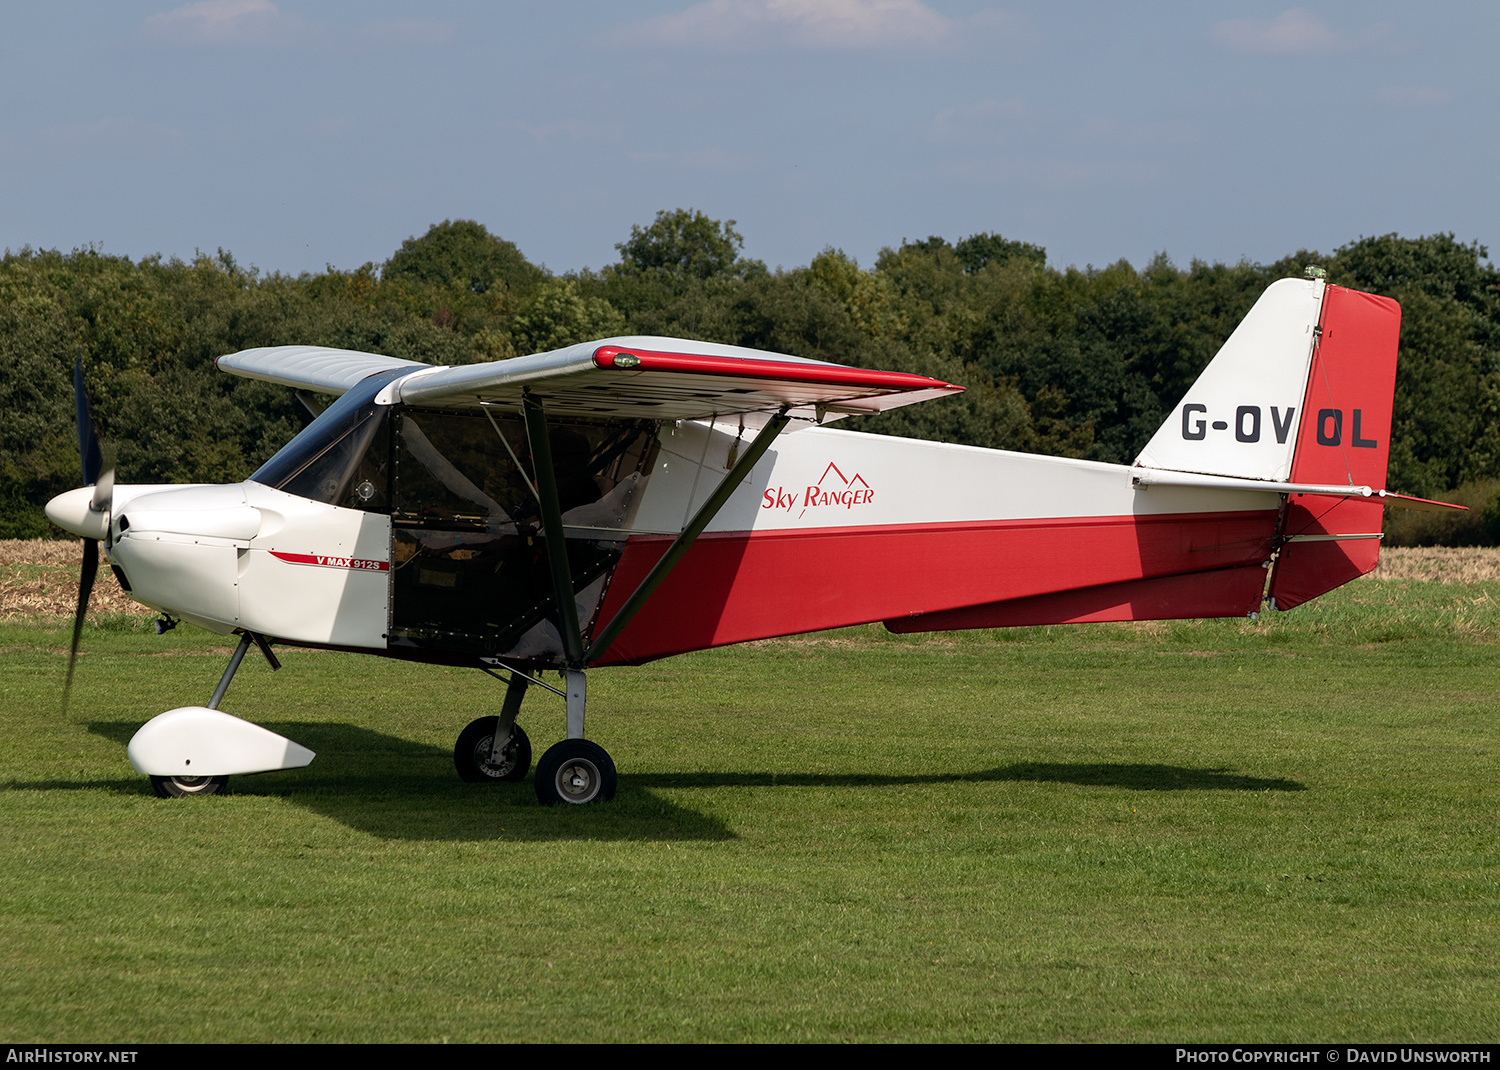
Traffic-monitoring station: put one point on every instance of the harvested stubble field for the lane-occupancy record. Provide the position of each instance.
(1204, 830)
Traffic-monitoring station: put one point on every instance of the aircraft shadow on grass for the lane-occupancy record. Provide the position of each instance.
(397, 789)
(1136, 777)
(394, 788)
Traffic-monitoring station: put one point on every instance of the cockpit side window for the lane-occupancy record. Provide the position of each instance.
(468, 467)
(453, 467)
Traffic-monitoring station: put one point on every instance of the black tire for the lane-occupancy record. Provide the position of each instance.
(575, 771)
(186, 787)
(471, 754)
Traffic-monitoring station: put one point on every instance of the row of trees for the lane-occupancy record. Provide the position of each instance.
(1083, 363)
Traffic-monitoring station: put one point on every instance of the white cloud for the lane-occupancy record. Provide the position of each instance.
(1295, 31)
(260, 22)
(848, 24)
(225, 22)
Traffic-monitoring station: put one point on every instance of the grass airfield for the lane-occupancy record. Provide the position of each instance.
(1222, 830)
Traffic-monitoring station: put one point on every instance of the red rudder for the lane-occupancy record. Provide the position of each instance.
(1343, 437)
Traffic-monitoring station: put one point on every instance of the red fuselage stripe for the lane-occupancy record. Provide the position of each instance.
(364, 564)
(735, 586)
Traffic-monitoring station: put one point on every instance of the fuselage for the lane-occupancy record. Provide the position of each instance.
(433, 553)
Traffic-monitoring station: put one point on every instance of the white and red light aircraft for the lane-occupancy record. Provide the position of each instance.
(622, 500)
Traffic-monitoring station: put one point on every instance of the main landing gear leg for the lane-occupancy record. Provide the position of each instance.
(494, 749)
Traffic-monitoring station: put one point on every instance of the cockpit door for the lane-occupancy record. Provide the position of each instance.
(468, 553)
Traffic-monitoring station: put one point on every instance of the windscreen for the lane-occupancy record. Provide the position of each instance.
(341, 457)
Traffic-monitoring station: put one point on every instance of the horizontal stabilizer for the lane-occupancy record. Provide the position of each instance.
(1406, 501)
(1147, 477)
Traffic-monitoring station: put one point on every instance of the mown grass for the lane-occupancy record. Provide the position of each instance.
(1219, 830)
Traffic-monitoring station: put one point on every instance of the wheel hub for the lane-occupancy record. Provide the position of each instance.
(576, 772)
(578, 780)
(497, 769)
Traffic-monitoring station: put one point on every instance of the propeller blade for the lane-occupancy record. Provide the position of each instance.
(85, 589)
(103, 501)
(88, 440)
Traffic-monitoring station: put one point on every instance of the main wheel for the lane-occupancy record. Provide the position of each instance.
(575, 771)
(183, 787)
(471, 754)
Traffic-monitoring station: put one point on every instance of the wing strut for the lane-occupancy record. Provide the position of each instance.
(557, 544)
(701, 519)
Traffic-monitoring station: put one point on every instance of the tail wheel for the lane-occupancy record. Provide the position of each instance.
(575, 771)
(471, 754)
(183, 787)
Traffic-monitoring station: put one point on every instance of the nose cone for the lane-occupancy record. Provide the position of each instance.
(70, 511)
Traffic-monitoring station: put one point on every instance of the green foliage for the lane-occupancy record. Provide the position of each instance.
(463, 255)
(556, 315)
(148, 334)
(685, 243)
(1446, 424)
(1478, 524)
(1437, 265)
(978, 251)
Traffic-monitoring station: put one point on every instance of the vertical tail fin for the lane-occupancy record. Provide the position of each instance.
(1301, 392)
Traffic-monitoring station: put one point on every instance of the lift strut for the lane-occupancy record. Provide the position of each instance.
(680, 545)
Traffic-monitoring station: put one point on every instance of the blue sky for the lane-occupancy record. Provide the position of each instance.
(298, 134)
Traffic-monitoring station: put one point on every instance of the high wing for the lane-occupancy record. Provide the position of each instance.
(631, 377)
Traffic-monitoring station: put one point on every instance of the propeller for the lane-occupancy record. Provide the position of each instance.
(92, 460)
